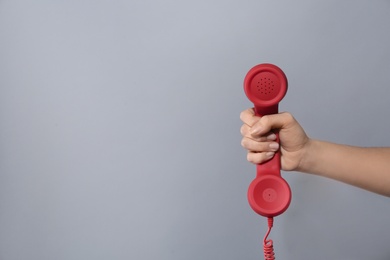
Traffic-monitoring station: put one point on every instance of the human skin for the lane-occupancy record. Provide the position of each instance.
(364, 167)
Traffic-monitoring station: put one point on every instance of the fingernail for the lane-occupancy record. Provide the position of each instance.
(255, 130)
(274, 146)
(271, 137)
(269, 155)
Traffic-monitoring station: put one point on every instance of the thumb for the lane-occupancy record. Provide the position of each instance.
(269, 122)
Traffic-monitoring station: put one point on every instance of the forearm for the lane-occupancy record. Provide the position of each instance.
(367, 168)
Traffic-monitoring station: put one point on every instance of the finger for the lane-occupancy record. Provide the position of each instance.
(246, 132)
(269, 122)
(248, 117)
(259, 157)
(255, 146)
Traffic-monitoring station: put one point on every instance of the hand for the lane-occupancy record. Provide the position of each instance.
(259, 140)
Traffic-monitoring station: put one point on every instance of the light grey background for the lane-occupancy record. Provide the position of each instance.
(119, 127)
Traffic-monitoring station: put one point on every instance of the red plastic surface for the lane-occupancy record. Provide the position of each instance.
(269, 194)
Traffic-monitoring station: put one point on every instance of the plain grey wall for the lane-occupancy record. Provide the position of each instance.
(119, 127)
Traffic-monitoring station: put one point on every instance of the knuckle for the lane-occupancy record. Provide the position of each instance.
(250, 158)
(243, 130)
(254, 158)
(288, 117)
(265, 120)
(243, 142)
(244, 116)
(246, 143)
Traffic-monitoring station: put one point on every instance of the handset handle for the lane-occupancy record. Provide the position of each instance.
(271, 166)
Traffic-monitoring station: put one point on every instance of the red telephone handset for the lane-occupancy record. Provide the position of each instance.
(269, 195)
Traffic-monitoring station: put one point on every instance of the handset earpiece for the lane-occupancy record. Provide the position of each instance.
(269, 194)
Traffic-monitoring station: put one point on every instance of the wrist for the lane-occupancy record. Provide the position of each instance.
(308, 152)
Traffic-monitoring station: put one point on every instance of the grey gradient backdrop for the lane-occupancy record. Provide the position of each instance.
(119, 127)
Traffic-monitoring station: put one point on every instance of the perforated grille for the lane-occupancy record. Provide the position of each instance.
(266, 85)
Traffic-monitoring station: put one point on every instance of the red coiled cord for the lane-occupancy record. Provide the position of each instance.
(268, 244)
